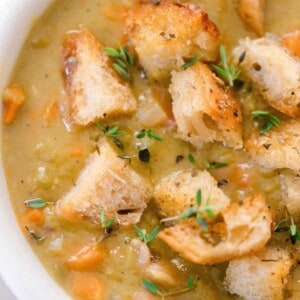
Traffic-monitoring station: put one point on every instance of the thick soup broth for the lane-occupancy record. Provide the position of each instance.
(44, 154)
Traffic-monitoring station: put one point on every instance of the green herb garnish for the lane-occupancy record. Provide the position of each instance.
(36, 203)
(123, 61)
(105, 223)
(223, 69)
(269, 120)
(215, 165)
(190, 62)
(191, 159)
(154, 289)
(144, 236)
(149, 134)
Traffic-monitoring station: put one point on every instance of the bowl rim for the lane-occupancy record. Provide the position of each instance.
(20, 269)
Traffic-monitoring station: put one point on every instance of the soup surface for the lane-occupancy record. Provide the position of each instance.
(44, 154)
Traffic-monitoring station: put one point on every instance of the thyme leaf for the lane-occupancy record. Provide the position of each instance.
(105, 223)
(190, 62)
(36, 203)
(191, 159)
(149, 134)
(223, 69)
(269, 120)
(144, 236)
(215, 165)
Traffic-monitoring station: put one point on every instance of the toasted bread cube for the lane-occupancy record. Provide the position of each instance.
(107, 182)
(204, 109)
(278, 148)
(262, 276)
(275, 73)
(95, 91)
(176, 192)
(252, 12)
(163, 34)
(246, 228)
(290, 187)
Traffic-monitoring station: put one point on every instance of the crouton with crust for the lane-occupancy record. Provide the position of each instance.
(261, 276)
(252, 12)
(275, 73)
(205, 109)
(176, 192)
(107, 182)
(290, 187)
(277, 148)
(246, 228)
(95, 92)
(163, 33)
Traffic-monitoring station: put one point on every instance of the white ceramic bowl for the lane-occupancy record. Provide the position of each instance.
(19, 268)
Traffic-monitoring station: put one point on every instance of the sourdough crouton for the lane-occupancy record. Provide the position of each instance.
(278, 148)
(274, 72)
(176, 192)
(246, 228)
(204, 109)
(107, 182)
(290, 187)
(94, 89)
(164, 34)
(291, 41)
(252, 12)
(262, 276)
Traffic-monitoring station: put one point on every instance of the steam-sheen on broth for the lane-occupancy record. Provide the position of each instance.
(44, 154)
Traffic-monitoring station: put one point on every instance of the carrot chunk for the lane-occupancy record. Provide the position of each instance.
(32, 217)
(87, 286)
(13, 98)
(291, 40)
(85, 258)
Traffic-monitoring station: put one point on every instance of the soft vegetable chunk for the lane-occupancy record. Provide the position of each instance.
(246, 229)
(176, 192)
(204, 109)
(163, 34)
(277, 148)
(252, 12)
(107, 182)
(262, 276)
(274, 72)
(94, 89)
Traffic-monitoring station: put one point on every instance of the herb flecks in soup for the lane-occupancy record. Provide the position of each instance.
(151, 148)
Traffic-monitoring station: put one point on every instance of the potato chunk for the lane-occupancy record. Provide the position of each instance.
(274, 72)
(252, 12)
(204, 109)
(278, 148)
(262, 276)
(107, 182)
(176, 192)
(246, 228)
(163, 34)
(94, 89)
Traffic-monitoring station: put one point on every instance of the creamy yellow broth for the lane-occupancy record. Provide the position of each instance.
(40, 160)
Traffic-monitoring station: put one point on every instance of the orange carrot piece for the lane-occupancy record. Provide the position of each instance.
(291, 40)
(85, 258)
(52, 112)
(32, 217)
(87, 286)
(13, 98)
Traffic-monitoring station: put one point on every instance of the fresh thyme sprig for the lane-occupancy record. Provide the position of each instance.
(114, 133)
(105, 223)
(269, 120)
(201, 212)
(190, 62)
(149, 134)
(144, 236)
(123, 61)
(215, 165)
(36, 203)
(226, 71)
(154, 289)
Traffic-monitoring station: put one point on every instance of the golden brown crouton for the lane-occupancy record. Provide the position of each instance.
(246, 228)
(278, 148)
(176, 192)
(274, 72)
(163, 34)
(107, 182)
(94, 89)
(262, 276)
(204, 109)
(291, 41)
(252, 12)
(290, 186)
